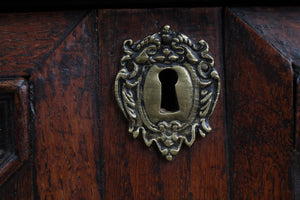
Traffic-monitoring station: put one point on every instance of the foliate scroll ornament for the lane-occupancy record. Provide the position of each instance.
(139, 89)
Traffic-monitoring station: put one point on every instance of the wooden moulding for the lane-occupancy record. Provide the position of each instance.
(280, 27)
(260, 106)
(14, 140)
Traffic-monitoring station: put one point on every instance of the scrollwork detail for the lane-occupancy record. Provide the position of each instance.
(167, 49)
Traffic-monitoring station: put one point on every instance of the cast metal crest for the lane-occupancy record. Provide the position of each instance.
(159, 115)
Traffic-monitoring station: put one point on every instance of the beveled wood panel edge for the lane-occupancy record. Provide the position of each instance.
(38, 48)
(289, 67)
(296, 153)
(297, 107)
(57, 44)
(289, 16)
(14, 160)
(295, 69)
(66, 63)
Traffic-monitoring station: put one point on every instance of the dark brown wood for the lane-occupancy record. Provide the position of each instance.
(297, 110)
(66, 126)
(133, 171)
(279, 26)
(19, 185)
(6, 124)
(296, 174)
(27, 39)
(81, 147)
(259, 82)
(11, 6)
(15, 139)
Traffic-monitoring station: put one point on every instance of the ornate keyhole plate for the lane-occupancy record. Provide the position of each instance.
(141, 95)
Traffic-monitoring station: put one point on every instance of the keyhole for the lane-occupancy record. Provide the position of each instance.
(168, 79)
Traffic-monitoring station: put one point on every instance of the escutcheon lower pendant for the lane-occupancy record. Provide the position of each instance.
(167, 88)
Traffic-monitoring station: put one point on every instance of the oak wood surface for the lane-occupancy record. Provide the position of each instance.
(133, 171)
(281, 28)
(19, 186)
(66, 128)
(81, 147)
(15, 170)
(27, 39)
(16, 137)
(259, 82)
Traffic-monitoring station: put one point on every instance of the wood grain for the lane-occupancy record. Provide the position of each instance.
(81, 145)
(297, 109)
(27, 39)
(296, 174)
(259, 112)
(279, 26)
(16, 148)
(131, 170)
(66, 127)
(19, 186)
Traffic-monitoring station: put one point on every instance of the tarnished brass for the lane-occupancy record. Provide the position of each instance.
(166, 111)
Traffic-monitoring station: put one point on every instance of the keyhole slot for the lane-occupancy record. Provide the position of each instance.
(168, 79)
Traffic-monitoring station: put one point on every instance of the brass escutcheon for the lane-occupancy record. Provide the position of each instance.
(167, 88)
